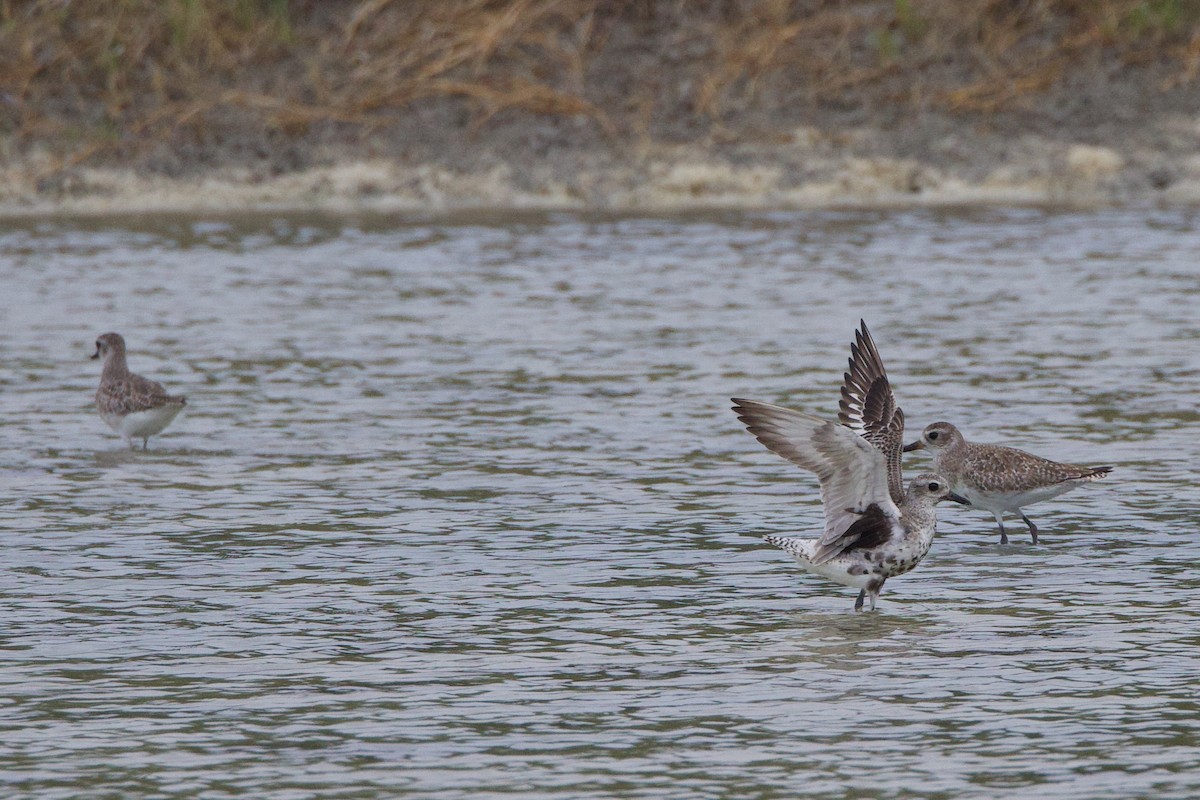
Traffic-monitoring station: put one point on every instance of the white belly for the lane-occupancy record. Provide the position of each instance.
(999, 502)
(847, 569)
(838, 570)
(139, 424)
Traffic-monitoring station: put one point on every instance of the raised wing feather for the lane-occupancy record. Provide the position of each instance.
(869, 408)
(851, 471)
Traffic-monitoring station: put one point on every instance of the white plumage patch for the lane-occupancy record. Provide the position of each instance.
(140, 424)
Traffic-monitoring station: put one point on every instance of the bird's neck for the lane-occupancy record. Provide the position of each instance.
(944, 459)
(918, 515)
(114, 366)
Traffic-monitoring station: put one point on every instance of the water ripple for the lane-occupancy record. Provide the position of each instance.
(458, 510)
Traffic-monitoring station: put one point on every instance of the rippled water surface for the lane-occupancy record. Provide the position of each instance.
(459, 510)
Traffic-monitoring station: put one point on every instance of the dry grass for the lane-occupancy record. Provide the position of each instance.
(85, 77)
(978, 55)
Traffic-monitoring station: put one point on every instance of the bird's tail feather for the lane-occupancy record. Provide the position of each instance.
(797, 548)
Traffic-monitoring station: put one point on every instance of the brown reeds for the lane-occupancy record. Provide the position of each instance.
(90, 77)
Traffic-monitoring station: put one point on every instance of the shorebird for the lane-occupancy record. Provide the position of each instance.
(1000, 479)
(133, 406)
(868, 537)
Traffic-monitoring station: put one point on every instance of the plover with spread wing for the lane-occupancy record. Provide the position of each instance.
(1000, 479)
(868, 537)
(133, 406)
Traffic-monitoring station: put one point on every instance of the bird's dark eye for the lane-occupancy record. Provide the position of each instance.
(933, 487)
(933, 435)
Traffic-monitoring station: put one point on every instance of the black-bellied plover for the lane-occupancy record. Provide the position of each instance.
(999, 479)
(868, 537)
(133, 406)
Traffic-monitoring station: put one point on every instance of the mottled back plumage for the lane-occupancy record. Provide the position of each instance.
(125, 395)
(996, 468)
(868, 407)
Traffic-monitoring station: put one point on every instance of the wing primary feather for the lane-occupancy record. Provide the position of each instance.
(868, 406)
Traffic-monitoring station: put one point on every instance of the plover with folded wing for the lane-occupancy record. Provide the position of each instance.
(133, 406)
(1000, 479)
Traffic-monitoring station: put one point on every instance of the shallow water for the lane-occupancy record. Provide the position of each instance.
(458, 509)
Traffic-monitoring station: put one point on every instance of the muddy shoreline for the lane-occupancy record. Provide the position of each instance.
(800, 169)
(811, 170)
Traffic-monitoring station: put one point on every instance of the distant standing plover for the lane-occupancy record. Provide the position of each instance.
(868, 538)
(133, 406)
(1000, 479)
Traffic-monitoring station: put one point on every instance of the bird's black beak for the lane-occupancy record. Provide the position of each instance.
(95, 355)
(958, 498)
(917, 445)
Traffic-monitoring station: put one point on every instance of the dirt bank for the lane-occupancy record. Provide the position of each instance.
(581, 104)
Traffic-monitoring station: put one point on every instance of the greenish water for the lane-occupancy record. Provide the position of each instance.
(459, 510)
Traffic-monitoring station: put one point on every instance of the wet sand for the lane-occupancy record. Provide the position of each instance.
(807, 168)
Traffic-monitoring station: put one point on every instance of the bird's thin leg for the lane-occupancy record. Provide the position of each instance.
(862, 593)
(1032, 527)
(145, 442)
(873, 589)
(1000, 522)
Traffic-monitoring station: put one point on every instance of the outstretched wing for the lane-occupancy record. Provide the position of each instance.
(869, 408)
(852, 472)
